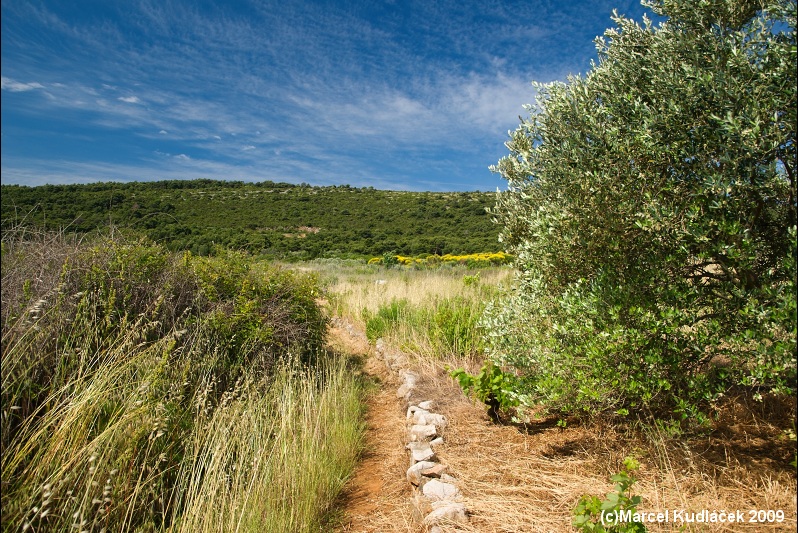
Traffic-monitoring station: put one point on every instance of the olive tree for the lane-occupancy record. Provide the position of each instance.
(651, 206)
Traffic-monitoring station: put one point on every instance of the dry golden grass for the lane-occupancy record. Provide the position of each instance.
(355, 289)
(517, 478)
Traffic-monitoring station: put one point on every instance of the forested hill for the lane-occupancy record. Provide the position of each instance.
(277, 220)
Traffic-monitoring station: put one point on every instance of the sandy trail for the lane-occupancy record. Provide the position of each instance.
(377, 498)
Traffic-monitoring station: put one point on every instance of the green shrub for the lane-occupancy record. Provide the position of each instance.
(386, 318)
(120, 361)
(651, 210)
(491, 386)
(610, 515)
(453, 326)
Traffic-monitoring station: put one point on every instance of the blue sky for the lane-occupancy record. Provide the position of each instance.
(414, 95)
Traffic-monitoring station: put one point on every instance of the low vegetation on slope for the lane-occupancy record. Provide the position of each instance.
(276, 220)
(149, 391)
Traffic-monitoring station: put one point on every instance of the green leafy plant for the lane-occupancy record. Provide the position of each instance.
(616, 513)
(468, 281)
(491, 386)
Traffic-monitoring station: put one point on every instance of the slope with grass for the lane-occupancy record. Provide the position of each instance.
(149, 391)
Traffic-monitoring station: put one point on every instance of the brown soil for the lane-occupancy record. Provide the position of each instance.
(377, 498)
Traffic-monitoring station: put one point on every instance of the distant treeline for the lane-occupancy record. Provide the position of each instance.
(277, 220)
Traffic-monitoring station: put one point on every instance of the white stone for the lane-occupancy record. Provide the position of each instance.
(436, 442)
(438, 490)
(450, 512)
(420, 451)
(420, 416)
(422, 432)
(410, 377)
(429, 405)
(436, 419)
(437, 470)
(414, 472)
(404, 391)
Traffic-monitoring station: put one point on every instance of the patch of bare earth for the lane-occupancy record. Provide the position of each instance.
(377, 498)
(528, 478)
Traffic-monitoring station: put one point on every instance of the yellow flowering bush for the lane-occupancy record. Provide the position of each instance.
(479, 260)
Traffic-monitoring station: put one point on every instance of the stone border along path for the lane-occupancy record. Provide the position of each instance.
(435, 494)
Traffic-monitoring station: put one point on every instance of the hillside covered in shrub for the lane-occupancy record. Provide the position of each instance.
(276, 220)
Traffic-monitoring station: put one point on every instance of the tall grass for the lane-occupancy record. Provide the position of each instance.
(274, 461)
(432, 313)
(143, 391)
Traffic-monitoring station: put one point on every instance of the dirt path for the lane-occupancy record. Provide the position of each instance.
(376, 499)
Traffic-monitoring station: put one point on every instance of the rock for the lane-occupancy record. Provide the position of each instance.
(450, 512)
(420, 451)
(436, 442)
(410, 377)
(447, 478)
(419, 415)
(410, 410)
(414, 473)
(404, 391)
(436, 470)
(436, 420)
(422, 432)
(429, 405)
(438, 490)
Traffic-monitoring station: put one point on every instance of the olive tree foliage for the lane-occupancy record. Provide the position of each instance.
(652, 210)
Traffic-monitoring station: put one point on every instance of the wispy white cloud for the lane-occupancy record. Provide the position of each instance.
(292, 89)
(7, 84)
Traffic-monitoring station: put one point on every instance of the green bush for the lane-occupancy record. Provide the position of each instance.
(386, 318)
(453, 326)
(118, 360)
(652, 213)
